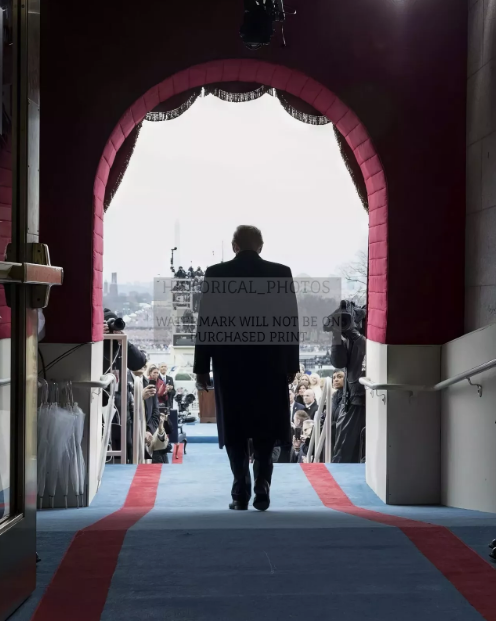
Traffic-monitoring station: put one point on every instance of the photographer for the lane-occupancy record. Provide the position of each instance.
(348, 353)
(306, 434)
(300, 418)
(160, 442)
(136, 359)
(146, 400)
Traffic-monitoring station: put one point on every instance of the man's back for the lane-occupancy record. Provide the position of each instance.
(248, 271)
(235, 333)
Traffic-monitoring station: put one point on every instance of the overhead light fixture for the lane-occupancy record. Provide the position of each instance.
(260, 17)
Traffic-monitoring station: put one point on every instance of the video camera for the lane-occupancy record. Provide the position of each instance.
(347, 317)
(116, 324)
(184, 401)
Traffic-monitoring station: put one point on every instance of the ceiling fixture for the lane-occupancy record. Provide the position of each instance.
(260, 17)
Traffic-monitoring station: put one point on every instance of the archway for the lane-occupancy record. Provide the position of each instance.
(301, 86)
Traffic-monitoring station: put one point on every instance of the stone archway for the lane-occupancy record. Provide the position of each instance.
(299, 85)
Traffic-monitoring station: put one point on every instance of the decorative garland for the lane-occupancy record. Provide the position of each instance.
(238, 97)
(310, 119)
(170, 115)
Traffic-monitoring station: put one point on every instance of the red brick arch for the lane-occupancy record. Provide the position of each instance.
(310, 91)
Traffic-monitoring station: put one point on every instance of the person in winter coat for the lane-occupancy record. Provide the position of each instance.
(160, 442)
(239, 412)
(136, 359)
(337, 398)
(348, 352)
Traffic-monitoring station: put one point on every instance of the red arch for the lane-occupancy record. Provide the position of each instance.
(308, 90)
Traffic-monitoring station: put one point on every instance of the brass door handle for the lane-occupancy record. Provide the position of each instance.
(30, 274)
(39, 273)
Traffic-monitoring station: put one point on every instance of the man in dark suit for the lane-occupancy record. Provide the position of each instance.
(294, 406)
(311, 406)
(259, 412)
(169, 383)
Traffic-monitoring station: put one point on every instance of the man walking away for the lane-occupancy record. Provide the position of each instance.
(259, 414)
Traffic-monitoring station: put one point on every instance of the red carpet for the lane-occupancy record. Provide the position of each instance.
(79, 588)
(470, 574)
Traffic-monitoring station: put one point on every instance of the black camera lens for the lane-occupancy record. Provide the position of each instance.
(116, 324)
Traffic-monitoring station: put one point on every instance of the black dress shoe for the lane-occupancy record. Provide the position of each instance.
(237, 505)
(261, 502)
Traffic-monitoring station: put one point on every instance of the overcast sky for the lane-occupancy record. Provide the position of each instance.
(222, 164)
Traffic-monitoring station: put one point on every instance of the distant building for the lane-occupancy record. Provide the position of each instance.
(114, 289)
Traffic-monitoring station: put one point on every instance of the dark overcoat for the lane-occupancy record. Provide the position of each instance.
(246, 405)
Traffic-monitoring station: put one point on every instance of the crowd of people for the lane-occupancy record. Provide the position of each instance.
(305, 394)
(347, 408)
(147, 387)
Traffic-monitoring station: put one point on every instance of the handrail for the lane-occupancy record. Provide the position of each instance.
(467, 375)
(318, 438)
(104, 382)
(121, 340)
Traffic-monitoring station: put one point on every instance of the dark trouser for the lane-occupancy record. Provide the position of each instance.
(239, 457)
(160, 457)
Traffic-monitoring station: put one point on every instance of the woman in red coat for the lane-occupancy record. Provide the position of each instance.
(154, 376)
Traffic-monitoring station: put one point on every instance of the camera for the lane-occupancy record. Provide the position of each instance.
(347, 316)
(184, 401)
(116, 324)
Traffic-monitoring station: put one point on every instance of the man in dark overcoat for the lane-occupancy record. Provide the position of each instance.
(245, 407)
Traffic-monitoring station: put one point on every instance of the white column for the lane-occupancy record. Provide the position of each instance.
(403, 432)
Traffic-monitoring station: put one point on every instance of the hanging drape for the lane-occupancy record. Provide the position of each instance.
(120, 165)
(174, 107)
(170, 109)
(353, 167)
(234, 92)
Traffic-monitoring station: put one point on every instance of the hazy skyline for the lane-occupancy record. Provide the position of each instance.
(223, 164)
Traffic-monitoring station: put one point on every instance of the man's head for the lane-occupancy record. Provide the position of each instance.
(247, 238)
(338, 379)
(300, 417)
(309, 397)
(291, 396)
(163, 368)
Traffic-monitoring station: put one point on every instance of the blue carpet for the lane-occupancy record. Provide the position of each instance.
(371, 573)
(190, 559)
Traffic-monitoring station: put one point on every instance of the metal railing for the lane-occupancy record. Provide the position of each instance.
(322, 440)
(412, 389)
(121, 341)
(109, 381)
(319, 440)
